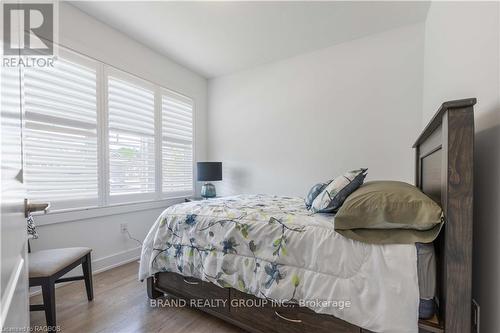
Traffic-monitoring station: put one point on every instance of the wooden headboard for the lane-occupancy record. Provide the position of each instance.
(444, 171)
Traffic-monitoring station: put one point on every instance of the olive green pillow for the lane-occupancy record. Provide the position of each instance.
(389, 212)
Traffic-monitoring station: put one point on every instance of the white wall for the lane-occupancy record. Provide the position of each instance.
(88, 36)
(462, 42)
(282, 127)
(461, 58)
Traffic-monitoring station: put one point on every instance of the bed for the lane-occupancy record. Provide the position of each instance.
(266, 264)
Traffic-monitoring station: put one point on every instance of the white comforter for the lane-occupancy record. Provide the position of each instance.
(272, 247)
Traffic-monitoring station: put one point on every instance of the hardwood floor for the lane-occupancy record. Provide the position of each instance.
(121, 305)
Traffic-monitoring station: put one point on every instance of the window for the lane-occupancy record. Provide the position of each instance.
(60, 134)
(95, 136)
(131, 124)
(177, 143)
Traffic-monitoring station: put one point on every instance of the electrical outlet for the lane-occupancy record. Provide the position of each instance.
(475, 317)
(124, 227)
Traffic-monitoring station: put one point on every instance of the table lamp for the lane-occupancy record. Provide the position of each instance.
(209, 172)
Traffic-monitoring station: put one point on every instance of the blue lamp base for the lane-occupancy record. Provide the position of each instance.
(208, 191)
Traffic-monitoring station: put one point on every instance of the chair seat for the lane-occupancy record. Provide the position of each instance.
(48, 262)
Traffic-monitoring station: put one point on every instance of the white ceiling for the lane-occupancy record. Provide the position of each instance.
(218, 38)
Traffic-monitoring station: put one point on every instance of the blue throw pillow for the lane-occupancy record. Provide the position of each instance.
(335, 193)
(313, 193)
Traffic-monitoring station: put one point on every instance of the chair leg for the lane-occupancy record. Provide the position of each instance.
(87, 273)
(49, 303)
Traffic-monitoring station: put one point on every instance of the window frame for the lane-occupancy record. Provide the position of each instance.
(105, 201)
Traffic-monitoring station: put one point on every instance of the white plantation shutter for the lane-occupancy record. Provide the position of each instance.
(177, 143)
(131, 138)
(60, 133)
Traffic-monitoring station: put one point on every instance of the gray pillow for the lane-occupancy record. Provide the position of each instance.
(313, 193)
(389, 212)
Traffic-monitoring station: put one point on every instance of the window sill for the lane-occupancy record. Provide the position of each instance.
(77, 214)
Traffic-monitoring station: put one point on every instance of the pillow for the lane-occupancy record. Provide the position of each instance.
(389, 212)
(334, 194)
(313, 193)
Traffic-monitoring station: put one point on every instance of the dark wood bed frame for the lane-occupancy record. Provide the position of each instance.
(444, 171)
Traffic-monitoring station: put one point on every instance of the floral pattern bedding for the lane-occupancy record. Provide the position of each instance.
(274, 248)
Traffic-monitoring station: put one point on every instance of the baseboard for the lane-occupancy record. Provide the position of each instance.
(100, 265)
(118, 259)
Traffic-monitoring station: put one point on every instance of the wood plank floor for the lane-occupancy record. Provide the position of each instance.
(121, 305)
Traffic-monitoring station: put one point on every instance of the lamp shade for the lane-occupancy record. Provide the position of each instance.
(209, 171)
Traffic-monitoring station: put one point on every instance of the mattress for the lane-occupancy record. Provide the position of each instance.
(273, 247)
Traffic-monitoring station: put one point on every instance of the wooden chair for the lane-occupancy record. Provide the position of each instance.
(46, 268)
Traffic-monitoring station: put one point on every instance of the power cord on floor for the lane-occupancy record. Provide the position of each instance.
(132, 238)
